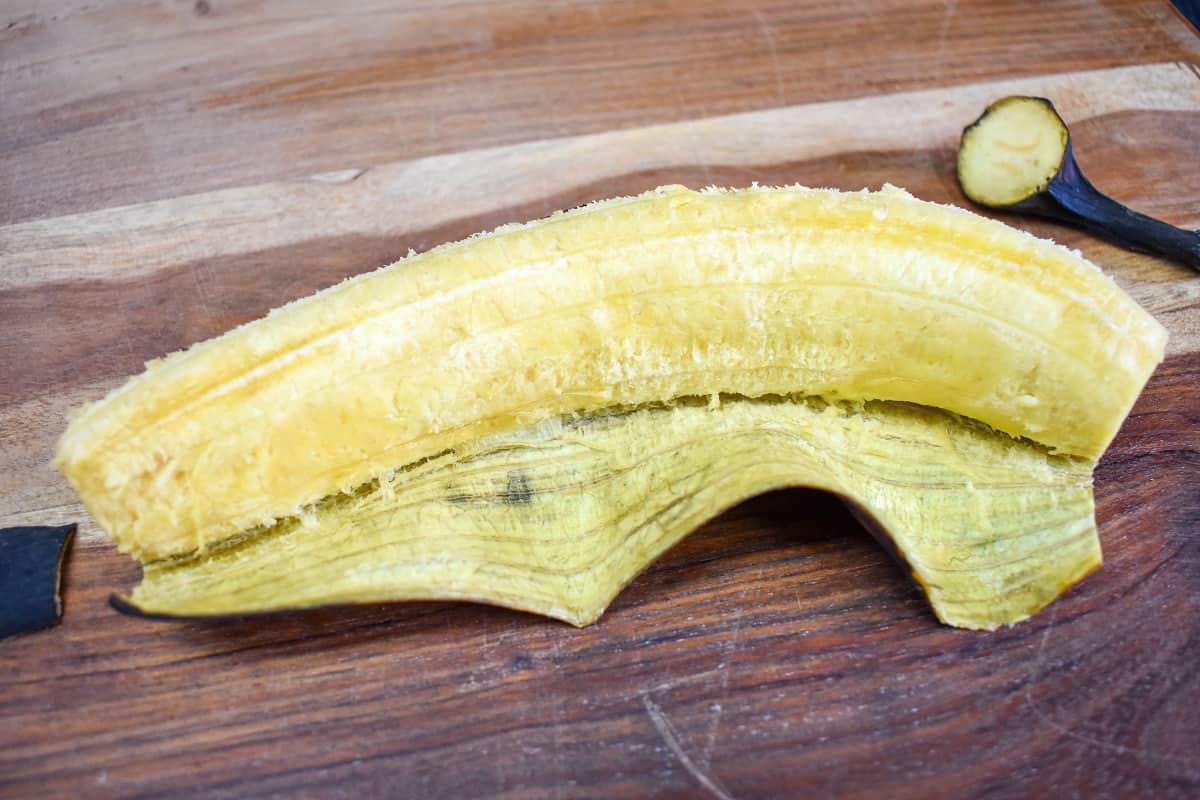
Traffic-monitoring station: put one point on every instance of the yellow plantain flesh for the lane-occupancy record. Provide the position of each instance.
(313, 456)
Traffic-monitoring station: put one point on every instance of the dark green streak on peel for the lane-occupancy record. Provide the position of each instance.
(31, 560)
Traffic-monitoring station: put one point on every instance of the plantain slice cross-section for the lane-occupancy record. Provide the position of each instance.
(530, 417)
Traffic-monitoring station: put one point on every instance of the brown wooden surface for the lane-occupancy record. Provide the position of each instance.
(171, 169)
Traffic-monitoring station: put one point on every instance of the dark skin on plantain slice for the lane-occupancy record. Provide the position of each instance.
(1018, 157)
(31, 560)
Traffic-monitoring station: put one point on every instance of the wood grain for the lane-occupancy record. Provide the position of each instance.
(192, 267)
(110, 103)
(777, 651)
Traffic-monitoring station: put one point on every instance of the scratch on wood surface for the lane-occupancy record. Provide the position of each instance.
(768, 35)
(1070, 732)
(560, 721)
(696, 145)
(671, 683)
(339, 175)
(714, 724)
(728, 652)
(944, 30)
(201, 278)
(669, 735)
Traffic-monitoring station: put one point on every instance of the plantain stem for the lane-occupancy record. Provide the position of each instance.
(1076, 201)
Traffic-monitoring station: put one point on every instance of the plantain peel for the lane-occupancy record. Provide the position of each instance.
(556, 518)
(530, 417)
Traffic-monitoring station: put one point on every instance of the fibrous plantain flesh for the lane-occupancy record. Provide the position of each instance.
(531, 416)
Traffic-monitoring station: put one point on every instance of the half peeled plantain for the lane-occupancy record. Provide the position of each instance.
(514, 418)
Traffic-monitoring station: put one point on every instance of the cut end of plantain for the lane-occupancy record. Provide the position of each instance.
(1012, 152)
(313, 456)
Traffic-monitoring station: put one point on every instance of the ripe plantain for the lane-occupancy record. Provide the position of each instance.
(311, 456)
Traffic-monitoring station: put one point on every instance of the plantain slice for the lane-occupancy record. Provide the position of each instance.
(556, 517)
(1018, 156)
(675, 293)
(31, 563)
(1012, 152)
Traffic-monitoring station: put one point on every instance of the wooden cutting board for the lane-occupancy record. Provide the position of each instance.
(775, 652)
